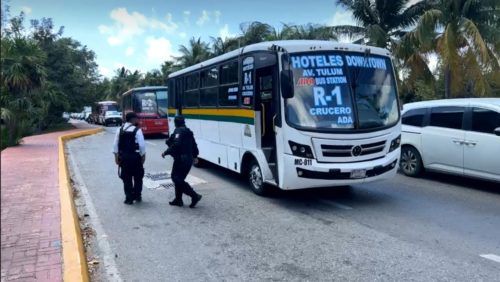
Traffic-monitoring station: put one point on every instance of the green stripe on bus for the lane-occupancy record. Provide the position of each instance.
(244, 120)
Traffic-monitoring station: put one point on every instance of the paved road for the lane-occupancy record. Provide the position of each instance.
(434, 228)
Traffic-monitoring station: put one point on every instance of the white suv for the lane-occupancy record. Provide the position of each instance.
(458, 136)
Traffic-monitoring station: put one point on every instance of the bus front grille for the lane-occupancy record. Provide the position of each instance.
(350, 151)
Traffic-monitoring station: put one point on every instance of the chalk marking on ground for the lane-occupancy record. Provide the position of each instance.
(151, 143)
(108, 260)
(337, 205)
(492, 257)
(163, 180)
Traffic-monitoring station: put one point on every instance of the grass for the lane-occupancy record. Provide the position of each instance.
(58, 127)
(3, 137)
(54, 128)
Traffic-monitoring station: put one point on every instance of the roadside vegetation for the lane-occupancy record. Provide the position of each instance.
(463, 35)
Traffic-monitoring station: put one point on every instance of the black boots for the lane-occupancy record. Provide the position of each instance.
(176, 202)
(195, 200)
(128, 202)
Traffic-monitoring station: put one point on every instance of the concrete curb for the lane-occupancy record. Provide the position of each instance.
(74, 260)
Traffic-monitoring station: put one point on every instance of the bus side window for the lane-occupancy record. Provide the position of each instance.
(209, 87)
(136, 103)
(229, 88)
(171, 93)
(192, 94)
(179, 92)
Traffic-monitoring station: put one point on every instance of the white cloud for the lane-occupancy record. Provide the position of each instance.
(159, 50)
(412, 2)
(169, 27)
(106, 72)
(225, 33)
(341, 18)
(217, 15)
(204, 18)
(130, 51)
(186, 15)
(26, 10)
(433, 62)
(127, 25)
(103, 29)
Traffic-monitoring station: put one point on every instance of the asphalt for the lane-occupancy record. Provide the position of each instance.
(427, 229)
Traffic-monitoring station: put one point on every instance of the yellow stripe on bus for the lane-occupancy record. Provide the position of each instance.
(217, 112)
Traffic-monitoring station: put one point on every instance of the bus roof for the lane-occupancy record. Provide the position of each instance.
(145, 88)
(106, 102)
(291, 46)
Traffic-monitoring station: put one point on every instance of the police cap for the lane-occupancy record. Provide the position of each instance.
(179, 121)
(130, 116)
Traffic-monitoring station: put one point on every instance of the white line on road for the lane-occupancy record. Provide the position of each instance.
(151, 143)
(491, 257)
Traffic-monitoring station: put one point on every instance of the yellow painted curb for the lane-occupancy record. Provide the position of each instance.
(74, 261)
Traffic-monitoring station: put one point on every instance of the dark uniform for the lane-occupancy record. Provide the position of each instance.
(183, 148)
(130, 154)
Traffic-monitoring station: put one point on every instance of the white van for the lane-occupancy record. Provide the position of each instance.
(457, 136)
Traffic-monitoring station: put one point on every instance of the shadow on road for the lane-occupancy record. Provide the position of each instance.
(356, 196)
(157, 136)
(466, 182)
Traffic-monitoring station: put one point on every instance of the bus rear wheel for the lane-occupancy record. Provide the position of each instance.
(256, 179)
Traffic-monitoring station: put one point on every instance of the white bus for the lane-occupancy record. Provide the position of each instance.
(294, 114)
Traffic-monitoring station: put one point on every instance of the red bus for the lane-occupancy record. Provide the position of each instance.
(150, 105)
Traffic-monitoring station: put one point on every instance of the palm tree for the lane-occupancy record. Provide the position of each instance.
(311, 31)
(196, 52)
(465, 35)
(255, 32)
(221, 46)
(22, 74)
(380, 22)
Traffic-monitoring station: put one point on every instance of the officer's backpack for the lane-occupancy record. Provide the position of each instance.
(127, 147)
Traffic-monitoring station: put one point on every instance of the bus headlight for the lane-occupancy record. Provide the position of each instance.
(395, 144)
(301, 150)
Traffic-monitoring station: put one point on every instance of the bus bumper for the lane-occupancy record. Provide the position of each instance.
(311, 174)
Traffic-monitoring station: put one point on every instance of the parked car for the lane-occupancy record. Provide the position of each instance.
(86, 116)
(112, 117)
(457, 136)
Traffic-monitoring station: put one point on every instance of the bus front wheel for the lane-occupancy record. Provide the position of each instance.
(256, 179)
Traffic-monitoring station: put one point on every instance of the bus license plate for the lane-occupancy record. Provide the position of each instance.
(358, 173)
(158, 122)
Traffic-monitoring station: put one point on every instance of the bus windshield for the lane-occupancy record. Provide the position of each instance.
(109, 107)
(338, 90)
(161, 98)
(146, 103)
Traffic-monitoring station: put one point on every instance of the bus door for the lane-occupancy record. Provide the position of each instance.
(267, 102)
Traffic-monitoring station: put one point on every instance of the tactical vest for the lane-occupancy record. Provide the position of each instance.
(127, 146)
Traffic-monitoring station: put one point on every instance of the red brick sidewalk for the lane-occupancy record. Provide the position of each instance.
(31, 221)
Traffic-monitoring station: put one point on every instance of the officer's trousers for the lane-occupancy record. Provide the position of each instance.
(132, 172)
(180, 170)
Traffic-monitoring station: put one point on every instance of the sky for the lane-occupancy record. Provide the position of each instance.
(142, 34)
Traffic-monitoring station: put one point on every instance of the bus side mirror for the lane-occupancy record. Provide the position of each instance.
(286, 79)
(497, 131)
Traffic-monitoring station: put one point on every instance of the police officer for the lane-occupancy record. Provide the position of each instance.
(130, 154)
(182, 147)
